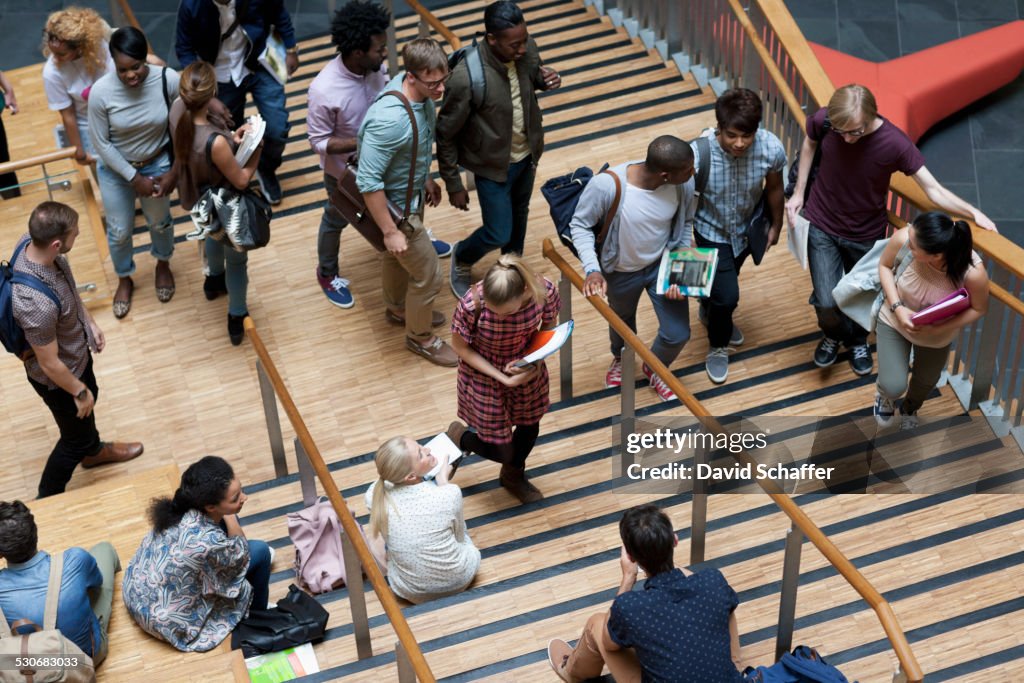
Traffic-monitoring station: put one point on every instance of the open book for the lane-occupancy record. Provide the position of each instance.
(273, 58)
(286, 665)
(545, 343)
(251, 140)
(692, 269)
(445, 450)
(958, 301)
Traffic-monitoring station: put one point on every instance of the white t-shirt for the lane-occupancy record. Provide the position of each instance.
(645, 223)
(230, 64)
(69, 83)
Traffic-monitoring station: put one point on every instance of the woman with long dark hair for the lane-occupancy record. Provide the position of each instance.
(128, 124)
(195, 576)
(191, 129)
(943, 261)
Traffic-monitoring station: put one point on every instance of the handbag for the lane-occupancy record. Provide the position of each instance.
(859, 293)
(350, 203)
(243, 217)
(298, 618)
(316, 533)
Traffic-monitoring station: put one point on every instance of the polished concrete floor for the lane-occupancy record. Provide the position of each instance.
(977, 153)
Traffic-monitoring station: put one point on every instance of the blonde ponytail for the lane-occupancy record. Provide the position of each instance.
(393, 466)
(509, 279)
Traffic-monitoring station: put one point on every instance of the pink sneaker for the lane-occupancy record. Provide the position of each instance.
(613, 378)
(660, 388)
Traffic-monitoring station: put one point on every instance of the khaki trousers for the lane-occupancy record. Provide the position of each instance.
(101, 599)
(589, 657)
(412, 279)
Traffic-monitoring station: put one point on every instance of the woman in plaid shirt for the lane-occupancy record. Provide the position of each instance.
(503, 404)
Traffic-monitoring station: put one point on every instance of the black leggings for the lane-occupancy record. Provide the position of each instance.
(513, 454)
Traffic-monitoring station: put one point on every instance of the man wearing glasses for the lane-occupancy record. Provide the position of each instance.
(846, 206)
(410, 270)
(498, 139)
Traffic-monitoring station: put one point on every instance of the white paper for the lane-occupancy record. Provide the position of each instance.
(797, 240)
(251, 140)
(446, 452)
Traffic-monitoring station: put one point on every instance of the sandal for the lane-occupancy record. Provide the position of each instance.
(164, 290)
(122, 306)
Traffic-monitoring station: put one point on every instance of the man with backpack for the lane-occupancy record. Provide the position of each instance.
(86, 587)
(60, 333)
(654, 205)
(490, 124)
(680, 627)
(739, 166)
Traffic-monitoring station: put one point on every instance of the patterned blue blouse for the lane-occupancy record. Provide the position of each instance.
(187, 584)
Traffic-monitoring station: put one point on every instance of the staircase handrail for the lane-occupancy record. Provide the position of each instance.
(348, 522)
(435, 23)
(38, 160)
(886, 616)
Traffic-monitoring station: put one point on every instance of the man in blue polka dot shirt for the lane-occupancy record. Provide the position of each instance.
(680, 628)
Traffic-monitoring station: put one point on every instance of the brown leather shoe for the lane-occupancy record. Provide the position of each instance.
(437, 352)
(436, 317)
(514, 480)
(113, 452)
(455, 431)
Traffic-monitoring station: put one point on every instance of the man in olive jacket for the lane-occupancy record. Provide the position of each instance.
(500, 141)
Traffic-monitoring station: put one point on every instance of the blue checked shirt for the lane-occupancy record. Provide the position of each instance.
(734, 187)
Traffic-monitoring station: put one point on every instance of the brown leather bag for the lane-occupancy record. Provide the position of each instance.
(349, 200)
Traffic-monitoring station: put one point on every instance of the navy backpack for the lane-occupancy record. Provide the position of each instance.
(563, 194)
(11, 334)
(803, 665)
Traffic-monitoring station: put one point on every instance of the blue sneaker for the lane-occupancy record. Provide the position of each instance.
(336, 290)
(443, 249)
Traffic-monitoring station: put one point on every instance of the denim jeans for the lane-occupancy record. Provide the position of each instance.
(829, 258)
(725, 291)
(504, 208)
(624, 291)
(328, 240)
(221, 258)
(119, 204)
(268, 95)
(258, 574)
(79, 437)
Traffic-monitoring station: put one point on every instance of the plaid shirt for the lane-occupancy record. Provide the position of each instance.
(734, 187)
(43, 323)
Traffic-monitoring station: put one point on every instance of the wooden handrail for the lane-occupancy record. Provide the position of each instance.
(348, 522)
(48, 158)
(885, 614)
(435, 24)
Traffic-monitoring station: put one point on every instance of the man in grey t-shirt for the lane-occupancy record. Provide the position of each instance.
(59, 366)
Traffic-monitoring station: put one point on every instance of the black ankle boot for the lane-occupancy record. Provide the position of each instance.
(235, 329)
(214, 286)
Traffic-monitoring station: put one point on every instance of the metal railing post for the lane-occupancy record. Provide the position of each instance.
(424, 29)
(565, 353)
(405, 671)
(273, 422)
(356, 599)
(787, 597)
(307, 477)
(628, 389)
(698, 509)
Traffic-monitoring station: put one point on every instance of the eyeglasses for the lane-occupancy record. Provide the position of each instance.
(434, 84)
(855, 133)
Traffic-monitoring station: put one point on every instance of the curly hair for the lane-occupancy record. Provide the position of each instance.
(18, 533)
(81, 29)
(205, 482)
(355, 22)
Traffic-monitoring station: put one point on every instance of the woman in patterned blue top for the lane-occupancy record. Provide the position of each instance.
(195, 576)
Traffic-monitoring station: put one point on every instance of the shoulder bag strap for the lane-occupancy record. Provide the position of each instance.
(608, 217)
(704, 170)
(5, 632)
(477, 306)
(903, 259)
(415, 148)
(53, 591)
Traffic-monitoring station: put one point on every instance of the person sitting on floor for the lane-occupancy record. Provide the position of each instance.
(86, 587)
(425, 544)
(680, 628)
(195, 576)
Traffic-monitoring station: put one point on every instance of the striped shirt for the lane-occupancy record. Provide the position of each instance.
(43, 323)
(734, 187)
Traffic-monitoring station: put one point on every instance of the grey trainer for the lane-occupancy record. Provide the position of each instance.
(717, 364)
(460, 277)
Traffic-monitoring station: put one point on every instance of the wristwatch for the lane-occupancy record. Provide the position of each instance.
(80, 396)
(894, 306)
(292, 50)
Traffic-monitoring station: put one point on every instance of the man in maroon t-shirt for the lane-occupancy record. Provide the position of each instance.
(846, 206)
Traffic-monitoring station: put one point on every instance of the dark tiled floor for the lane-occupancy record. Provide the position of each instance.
(981, 144)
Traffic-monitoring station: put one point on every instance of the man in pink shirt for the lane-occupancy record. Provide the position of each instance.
(338, 99)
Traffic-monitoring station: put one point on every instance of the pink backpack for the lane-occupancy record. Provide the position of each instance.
(316, 533)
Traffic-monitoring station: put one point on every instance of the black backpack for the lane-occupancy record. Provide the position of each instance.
(475, 65)
(11, 334)
(794, 167)
(563, 194)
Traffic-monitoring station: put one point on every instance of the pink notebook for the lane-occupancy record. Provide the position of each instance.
(958, 301)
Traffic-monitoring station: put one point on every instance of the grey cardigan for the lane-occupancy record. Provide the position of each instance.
(594, 203)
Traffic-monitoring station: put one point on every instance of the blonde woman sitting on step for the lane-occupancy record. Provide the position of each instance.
(416, 524)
